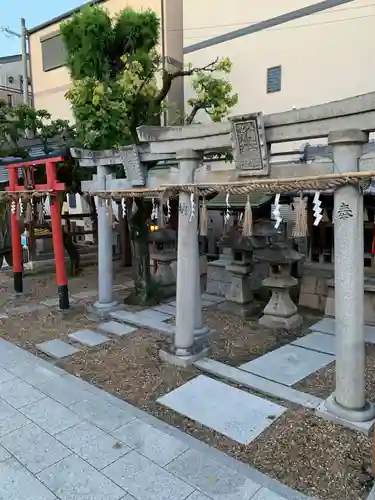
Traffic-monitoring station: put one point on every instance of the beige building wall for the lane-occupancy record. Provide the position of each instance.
(51, 85)
(323, 57)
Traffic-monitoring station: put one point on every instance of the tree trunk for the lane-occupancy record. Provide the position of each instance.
(140, 248)
(94, 218)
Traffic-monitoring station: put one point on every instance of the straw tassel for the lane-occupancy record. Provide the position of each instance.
(204, 219)
(247, 229)
(29, 213)
(300, 225)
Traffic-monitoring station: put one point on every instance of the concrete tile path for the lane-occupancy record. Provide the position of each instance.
(62, 438)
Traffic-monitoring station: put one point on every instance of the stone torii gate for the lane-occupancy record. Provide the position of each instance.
(347, 125)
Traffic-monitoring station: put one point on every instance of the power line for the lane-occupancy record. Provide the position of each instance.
(333, 21)
(249, 23)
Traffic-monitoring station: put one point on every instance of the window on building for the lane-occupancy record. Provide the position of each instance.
(53, 52)
(10, 100)
(273, 79)
(72, 200)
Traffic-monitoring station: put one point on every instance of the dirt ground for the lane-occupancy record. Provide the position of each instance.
(43, 286)
(298, 449)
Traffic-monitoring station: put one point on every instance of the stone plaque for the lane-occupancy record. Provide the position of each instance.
(132, 165)
(249, 145)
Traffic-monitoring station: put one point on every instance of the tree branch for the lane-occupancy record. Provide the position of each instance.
(169, 77)
(197, 106)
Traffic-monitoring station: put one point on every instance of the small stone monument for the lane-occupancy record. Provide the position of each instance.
(239, 296)
(280, 312)
(164, 253)
(218, 278)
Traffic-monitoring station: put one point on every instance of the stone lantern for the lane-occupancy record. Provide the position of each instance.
(239, 295)
(280, 312)
(163, 251)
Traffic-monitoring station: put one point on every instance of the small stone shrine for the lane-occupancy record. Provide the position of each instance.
(164, 253)
(239, 295)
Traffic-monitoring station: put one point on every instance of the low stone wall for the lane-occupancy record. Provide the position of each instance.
(369, 300)
(314, 292)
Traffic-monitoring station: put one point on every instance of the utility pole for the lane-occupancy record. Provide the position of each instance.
(25, 72)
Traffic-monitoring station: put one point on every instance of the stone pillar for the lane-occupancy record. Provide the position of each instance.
(199, 328)
(348, 401)
(185, 350)
(105, 302)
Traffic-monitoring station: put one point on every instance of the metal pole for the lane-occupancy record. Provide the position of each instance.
(25, 82)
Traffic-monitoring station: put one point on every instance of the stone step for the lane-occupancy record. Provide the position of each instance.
(328, 326)
(88, 338)
(57, 349)
(257, 383)
(116, 328)
(142, 321)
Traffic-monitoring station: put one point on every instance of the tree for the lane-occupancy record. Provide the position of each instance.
(115, 67)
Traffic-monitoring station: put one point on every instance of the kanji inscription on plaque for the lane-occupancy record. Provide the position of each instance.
(249, 145)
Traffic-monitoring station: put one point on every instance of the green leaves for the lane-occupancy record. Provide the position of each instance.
(214, 93)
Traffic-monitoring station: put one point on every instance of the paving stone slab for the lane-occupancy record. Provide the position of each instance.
(36, 372)
(74, 479)
(166, 309)
(88, 337)
(116, 328)
(197, 495)
(10, 419)
(260, 384)
(266, 494)
(143, 321)
(50, 415)
(288, 364)
(96, 447)
(316, 341)
(153, 315)
(152, 443)
(212, 298)
(242, 417)
(4, 455)
(18, 393)
(105, 416)
(64, 390)
(5, 376)
(17, 483)
(34, 448)
(145, 480)
(212, 478)
(57, 349)
(327, 325)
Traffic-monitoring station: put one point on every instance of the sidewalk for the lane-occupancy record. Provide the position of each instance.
(62, 438)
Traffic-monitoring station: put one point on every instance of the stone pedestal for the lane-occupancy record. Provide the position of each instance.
(348, 401)
(240, 298)
(280, 312)
(164, 273)
(163, 252)
(218, 278)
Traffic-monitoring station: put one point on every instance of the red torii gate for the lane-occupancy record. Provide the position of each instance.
(51, 189)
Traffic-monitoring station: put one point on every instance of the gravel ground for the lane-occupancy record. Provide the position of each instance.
(298, 449)
(42, 286)
(322, 382)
